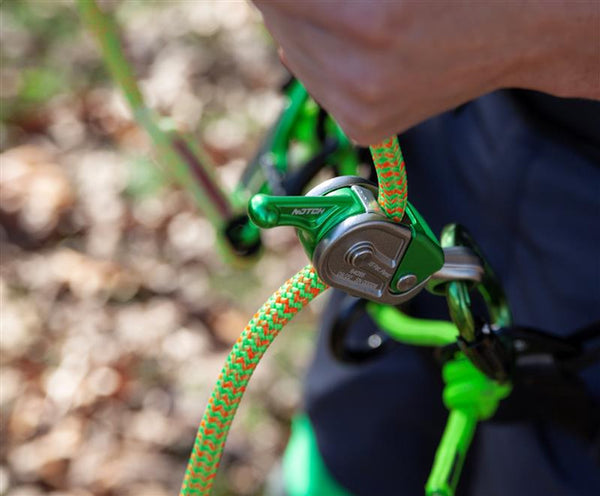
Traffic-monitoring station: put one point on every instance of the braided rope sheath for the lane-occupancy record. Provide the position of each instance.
(389, 165)
(279, 309)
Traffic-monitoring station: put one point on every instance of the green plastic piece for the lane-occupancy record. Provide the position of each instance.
(451, 453)
(304, 470)
(409, 330)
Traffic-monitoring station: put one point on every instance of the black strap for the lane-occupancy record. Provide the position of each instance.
(588, 339)
(546, 384)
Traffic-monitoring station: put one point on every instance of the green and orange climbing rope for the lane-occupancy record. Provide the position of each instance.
(266, 324)
(393, 191)
(279, 309)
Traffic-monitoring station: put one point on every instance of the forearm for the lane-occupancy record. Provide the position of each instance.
(561, 54)
(380, 67)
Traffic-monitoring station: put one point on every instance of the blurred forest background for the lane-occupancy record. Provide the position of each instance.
(117, 312)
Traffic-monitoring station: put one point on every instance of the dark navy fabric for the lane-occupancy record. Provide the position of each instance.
(522, 172)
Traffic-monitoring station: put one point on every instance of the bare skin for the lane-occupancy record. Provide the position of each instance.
(380, 67)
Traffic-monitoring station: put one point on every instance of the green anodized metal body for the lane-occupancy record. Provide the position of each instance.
(313, 216)
(424, 255)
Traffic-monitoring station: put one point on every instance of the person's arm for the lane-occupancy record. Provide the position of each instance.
(380, 67)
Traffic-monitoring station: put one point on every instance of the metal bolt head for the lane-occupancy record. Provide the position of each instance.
(374, 341)
(359, 254)
(406, 282)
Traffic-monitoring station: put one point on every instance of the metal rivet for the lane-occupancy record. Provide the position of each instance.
(359, 254)
(374, 341)
(406, 282)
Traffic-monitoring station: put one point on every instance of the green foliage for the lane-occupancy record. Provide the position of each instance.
(144, 178)
(39, 84)
(42, 55)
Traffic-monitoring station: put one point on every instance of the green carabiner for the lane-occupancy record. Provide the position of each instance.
(457, 292)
